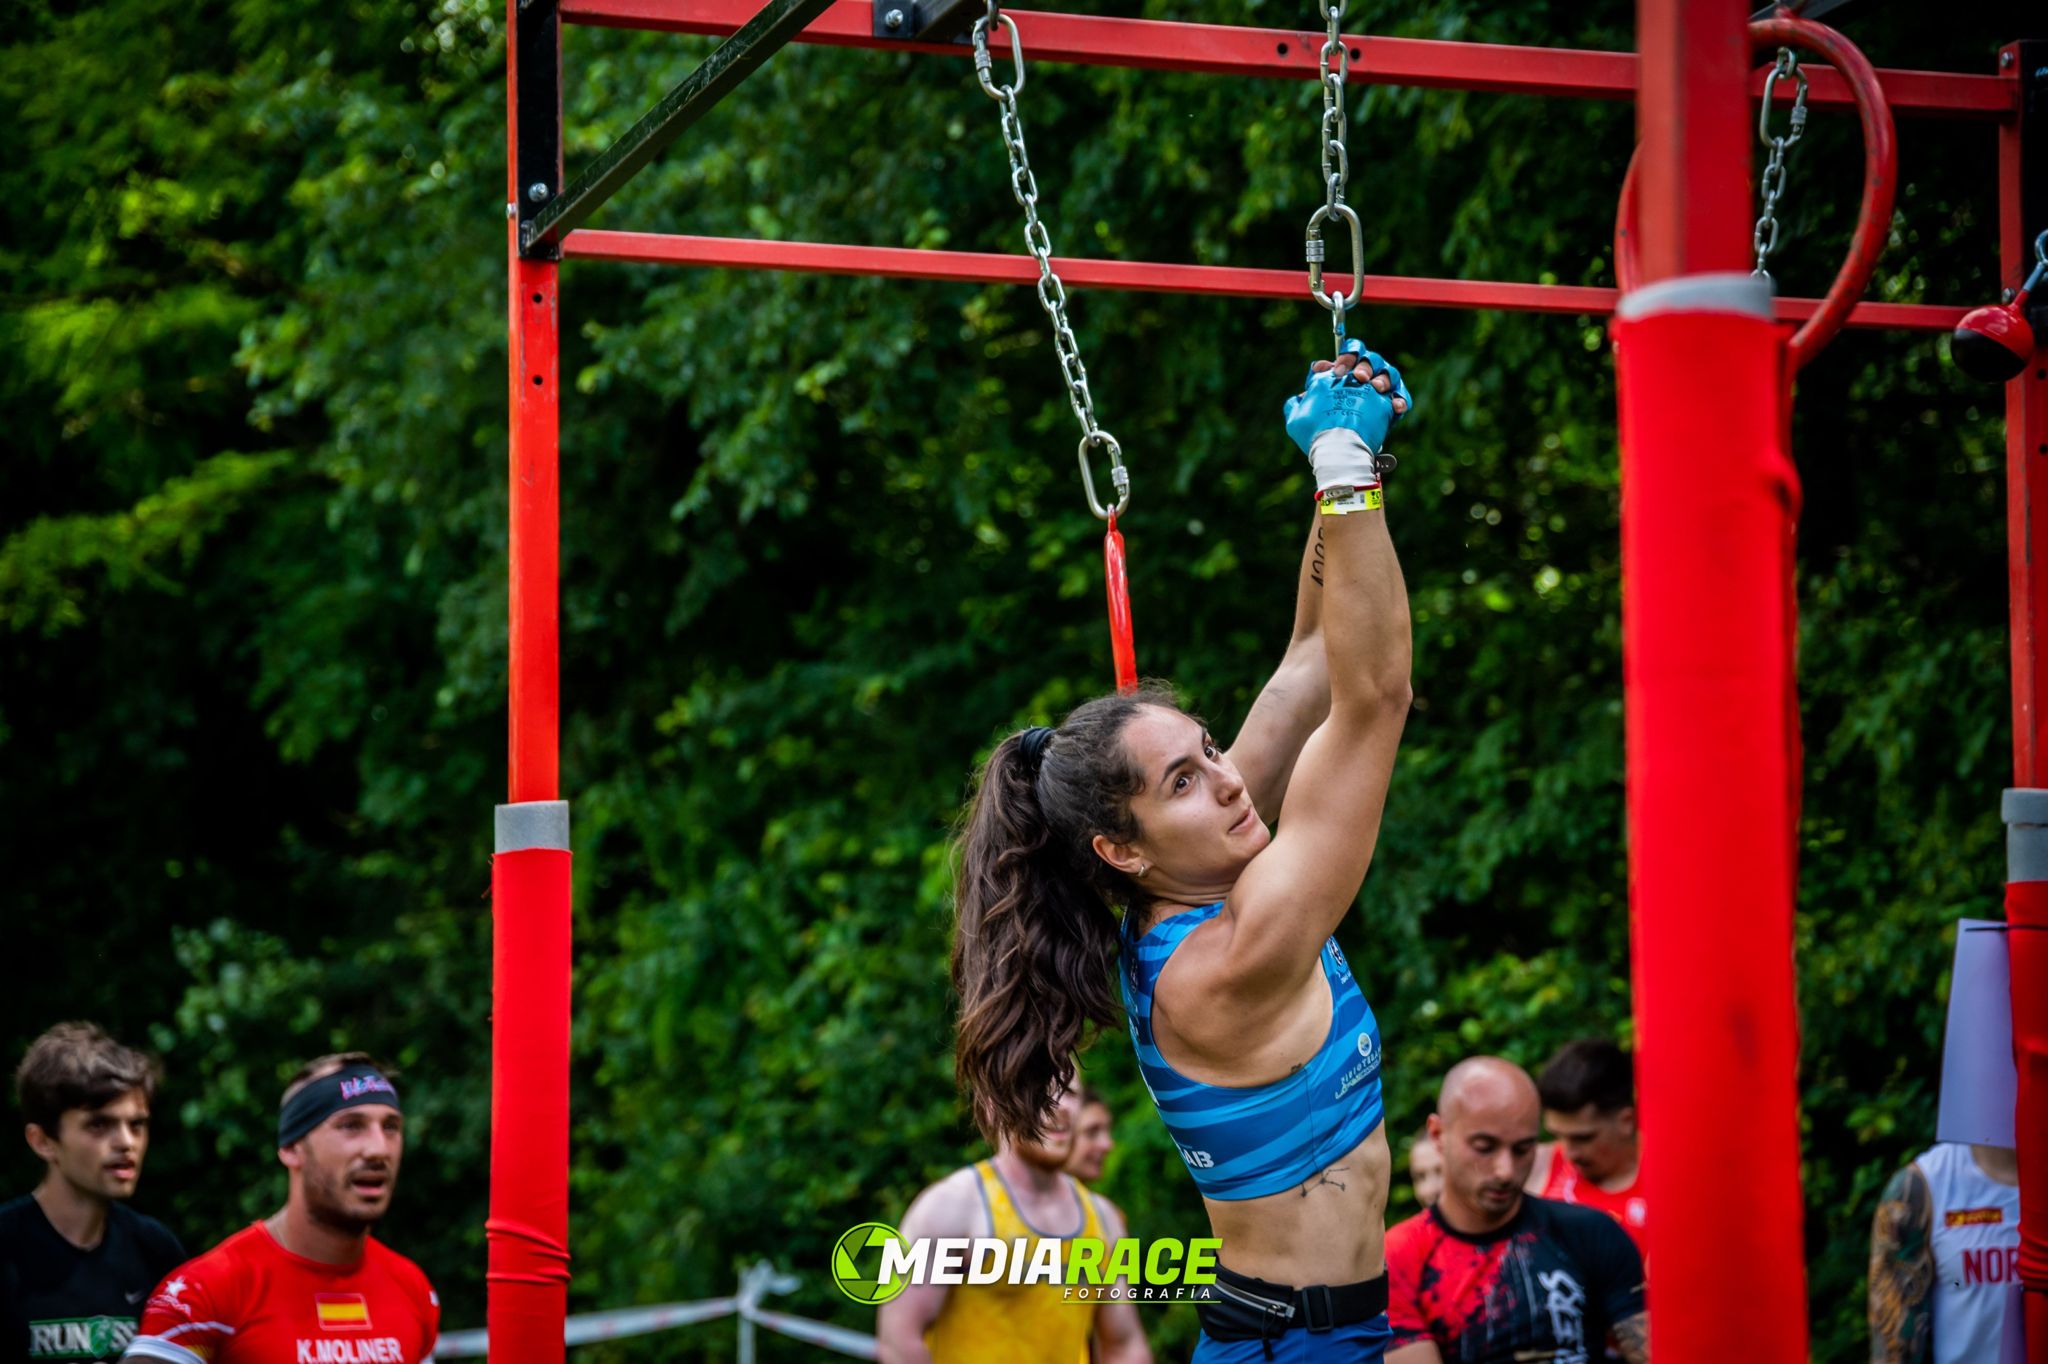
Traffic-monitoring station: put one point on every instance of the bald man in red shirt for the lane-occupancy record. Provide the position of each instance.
(309, 1284)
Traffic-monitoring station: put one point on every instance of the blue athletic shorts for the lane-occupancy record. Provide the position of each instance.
(1360, 1342)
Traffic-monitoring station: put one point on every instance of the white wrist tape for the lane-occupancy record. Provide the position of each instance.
(1342, 461)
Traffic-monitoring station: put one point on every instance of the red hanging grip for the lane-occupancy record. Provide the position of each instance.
(1117, 584)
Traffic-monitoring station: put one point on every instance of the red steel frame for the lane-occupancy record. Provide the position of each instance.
(527, 1232)
(1707, 499)
(2026, 451)
(1693, 83)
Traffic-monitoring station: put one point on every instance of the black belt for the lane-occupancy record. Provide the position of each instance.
(1240, 1307)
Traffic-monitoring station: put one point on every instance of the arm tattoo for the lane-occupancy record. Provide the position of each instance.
(1902, 1271)
(1633, 1336)
(1315, 568)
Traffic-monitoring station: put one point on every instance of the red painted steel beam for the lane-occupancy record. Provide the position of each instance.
(1290, 54)
(527, 1231)
(534, 698)
(1709, 505)
(1694, 127)
(987, 267)
(2026, 464)
(2023, 212)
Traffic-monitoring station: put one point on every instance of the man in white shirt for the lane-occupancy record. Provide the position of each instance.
(1944, 1258)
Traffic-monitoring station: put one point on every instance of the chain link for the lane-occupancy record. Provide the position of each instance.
(1335, 66)
(1052, 294)
(1772, 183)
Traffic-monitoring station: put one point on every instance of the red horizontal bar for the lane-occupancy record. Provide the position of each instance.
(986, 267)
(1291, 54)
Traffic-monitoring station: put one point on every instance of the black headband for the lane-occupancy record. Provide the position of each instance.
(321, 1099)
(1033, 745)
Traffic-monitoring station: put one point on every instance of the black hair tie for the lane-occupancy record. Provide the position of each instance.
(1033, 745)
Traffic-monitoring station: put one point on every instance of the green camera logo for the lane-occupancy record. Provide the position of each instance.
(857, 1263)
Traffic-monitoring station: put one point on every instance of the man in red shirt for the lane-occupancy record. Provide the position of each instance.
(309, 1284)
(1589, 1105)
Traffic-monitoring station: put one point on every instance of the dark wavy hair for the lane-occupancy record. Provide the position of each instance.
(1036, 933)
(78, 1065)
(1592, 1070)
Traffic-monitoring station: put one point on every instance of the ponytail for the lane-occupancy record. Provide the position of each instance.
(1035, 942)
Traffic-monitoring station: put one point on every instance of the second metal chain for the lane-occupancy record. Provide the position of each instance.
(1772, 182)
(1335, 66)
(1052, 295)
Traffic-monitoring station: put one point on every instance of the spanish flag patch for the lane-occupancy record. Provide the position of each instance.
(342, 1311)
(1972, 1217)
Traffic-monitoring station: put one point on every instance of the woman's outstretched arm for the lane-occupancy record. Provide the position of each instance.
(1292, 895)
(1297, 696)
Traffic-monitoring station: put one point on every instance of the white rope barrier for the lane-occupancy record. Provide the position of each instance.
(595, 1326)
(618, 1323)
(835, 1338)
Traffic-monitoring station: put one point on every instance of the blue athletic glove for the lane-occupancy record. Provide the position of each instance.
(1324, 404)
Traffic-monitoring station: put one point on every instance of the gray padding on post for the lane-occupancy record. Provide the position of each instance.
(2026, 834)
(2024, 805)
(1728, 291)
(533, 824)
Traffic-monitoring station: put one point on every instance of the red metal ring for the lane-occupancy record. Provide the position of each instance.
(1880, 182)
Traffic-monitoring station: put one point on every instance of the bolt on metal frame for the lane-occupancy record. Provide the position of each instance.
(1693, 85)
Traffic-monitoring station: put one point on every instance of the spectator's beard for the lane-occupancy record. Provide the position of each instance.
(336, 1199)
(1498, 1198)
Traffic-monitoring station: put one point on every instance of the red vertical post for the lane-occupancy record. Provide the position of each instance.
(2026, 424)
(1708, 504)
(2023, 212)
(1693, 121)
(533, 721)
(527, 1233)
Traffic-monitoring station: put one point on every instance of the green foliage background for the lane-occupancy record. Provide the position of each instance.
(822, 543)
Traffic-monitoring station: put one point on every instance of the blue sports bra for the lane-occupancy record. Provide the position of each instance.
(1249, 1142)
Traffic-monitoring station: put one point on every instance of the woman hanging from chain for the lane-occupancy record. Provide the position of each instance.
(1124, 852)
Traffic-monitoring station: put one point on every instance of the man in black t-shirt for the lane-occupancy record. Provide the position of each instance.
(76, 1265)
(1491, 1274)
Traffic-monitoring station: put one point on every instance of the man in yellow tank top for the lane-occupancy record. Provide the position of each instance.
(1019, 1193)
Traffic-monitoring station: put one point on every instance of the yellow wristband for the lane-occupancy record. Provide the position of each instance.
(1344, 501)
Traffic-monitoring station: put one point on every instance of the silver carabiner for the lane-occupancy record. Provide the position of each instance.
(1787, 64)
(1119, 477)
(1335, 302)
(984, 60)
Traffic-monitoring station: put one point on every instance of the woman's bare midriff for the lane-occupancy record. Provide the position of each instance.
(1332, 1229)
(1329, 1229)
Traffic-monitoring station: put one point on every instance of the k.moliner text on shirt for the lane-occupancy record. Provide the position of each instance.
(325, 1350)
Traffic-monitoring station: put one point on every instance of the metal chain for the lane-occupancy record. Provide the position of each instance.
(1052, 295)
(1772, 184)
(1335, 65)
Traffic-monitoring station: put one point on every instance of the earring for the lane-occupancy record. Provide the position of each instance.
(1144, 867)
